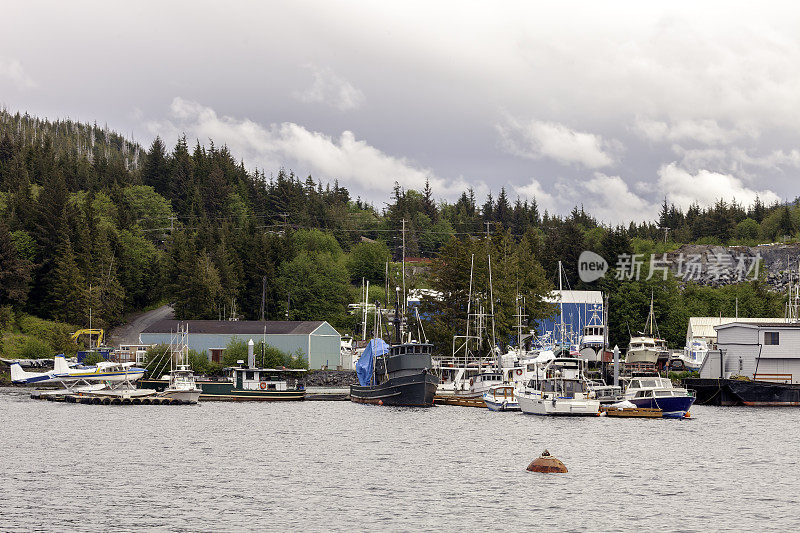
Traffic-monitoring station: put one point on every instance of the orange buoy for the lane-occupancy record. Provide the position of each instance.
(380, 402)
(547, 464)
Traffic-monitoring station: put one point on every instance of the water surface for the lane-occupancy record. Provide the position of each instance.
(339, 466)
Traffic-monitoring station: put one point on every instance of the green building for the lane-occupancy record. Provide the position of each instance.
(318, 341)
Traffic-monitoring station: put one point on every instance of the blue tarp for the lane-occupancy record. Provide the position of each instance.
(364, 366)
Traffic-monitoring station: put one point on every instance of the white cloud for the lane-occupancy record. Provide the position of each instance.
(705, 131)
(608, 198)
(12, 69)
(537, 139)
(683, 188)
(331, 89)
(612, 201)
(364, 169)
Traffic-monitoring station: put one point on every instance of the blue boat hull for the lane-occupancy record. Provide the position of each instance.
(671, 407)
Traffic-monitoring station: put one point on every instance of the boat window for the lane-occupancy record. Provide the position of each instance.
(663, 393)
(649, 383)
(771, 338)
(634, 384)
(250, 376)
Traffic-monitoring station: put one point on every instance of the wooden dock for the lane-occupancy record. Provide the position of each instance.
(107, 397)
(459, 401)
(630, 412)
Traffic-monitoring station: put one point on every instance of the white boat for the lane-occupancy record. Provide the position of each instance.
(481, 383)
(501, 398)
(563, 390)
(695, 354)
(647, 348)
(655, 392)
(593, 339)
(182, 385)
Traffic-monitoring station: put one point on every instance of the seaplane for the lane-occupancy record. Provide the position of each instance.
(104, 374)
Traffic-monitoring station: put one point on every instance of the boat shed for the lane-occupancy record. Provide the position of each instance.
(318, 341)
(765, 351)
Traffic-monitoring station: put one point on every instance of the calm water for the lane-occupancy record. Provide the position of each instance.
(335, 466)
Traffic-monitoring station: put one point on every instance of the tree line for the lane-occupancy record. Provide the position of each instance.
(92, 221)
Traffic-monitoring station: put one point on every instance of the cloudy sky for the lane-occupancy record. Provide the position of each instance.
(613, 105)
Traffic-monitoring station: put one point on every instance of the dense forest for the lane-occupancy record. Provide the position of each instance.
(92, 221)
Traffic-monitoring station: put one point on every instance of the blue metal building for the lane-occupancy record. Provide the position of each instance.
(579, 307)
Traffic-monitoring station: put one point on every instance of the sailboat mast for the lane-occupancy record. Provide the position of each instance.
(469, 308)
(491, 297)
(561, 303)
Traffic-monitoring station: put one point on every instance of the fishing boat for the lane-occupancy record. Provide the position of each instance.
(562, 391)
(647, 348)
(653, 392)
(481, 383)
(399, 375)
(245, 384)
(501, 398)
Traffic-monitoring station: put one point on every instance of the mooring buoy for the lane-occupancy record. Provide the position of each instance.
(547, 464)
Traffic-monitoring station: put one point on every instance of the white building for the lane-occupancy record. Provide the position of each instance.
(702, 328)
(766, 351)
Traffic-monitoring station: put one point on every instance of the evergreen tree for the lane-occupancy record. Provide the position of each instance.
(15, 271)
(68, 300)
(155, 171)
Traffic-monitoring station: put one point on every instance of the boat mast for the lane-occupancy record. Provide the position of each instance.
(404, 278)
(469, 308)
(561, 303)
(491, 305)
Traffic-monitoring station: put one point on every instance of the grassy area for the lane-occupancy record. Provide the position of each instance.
(24, 336)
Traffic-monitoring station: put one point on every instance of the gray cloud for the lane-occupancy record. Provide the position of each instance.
(401, 92)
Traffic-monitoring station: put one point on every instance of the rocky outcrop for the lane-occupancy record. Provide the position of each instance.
(331, 378)
(723, 265)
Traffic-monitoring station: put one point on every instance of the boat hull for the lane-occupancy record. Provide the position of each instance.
(224, 391)
(730, 392)
(536, 405)
(502, 406)
(671, 407)
(184, 396)
(417, 390)
(641, 356)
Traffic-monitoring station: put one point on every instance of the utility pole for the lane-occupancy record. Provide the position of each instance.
(488, 233)
(263, 295)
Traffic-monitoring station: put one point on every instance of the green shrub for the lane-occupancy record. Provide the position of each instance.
(56, 334)
(201, 365)
(29, 348)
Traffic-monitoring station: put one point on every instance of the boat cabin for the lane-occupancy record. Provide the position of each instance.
(409, 348)
(268, 379)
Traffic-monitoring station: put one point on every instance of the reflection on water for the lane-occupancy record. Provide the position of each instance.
(344, 466)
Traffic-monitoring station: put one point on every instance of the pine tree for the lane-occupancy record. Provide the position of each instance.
(67, 301)
(15, 272)
(155, 171)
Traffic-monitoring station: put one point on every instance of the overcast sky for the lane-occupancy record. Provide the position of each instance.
(612, 105)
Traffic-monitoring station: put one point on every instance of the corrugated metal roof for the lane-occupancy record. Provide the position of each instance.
(750, 323)
(703, 326)
(575, 297)
(237, 327)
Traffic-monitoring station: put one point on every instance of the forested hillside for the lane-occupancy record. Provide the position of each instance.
(89, 220)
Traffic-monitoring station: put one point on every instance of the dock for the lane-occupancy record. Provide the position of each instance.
(459, 401)
(630, 412)
(107, 397)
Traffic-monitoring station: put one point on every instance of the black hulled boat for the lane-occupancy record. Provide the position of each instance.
(395, 375)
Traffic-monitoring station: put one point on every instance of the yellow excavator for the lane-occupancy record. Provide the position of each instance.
(98, 333)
